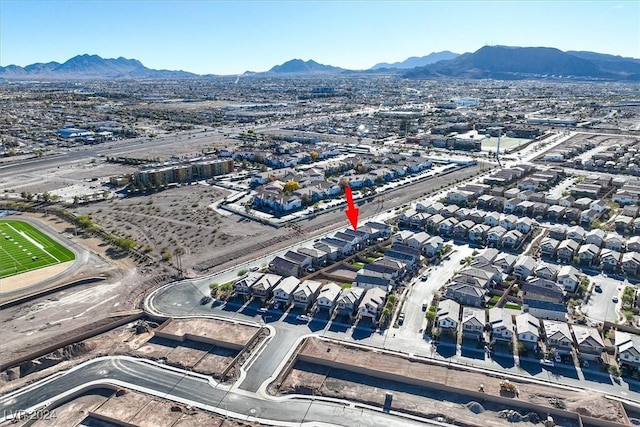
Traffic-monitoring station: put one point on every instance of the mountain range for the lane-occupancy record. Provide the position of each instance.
(89, 67)
(416, 61)
(515, 63)
(494, 62)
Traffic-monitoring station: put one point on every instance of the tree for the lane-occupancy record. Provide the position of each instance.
(290, 186)
(313, 155)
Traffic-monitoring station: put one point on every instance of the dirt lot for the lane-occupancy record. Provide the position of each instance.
(315, 378)
(179, 217)
(235, 333)
(131, 407)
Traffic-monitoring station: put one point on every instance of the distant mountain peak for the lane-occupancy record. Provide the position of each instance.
(307, 67)
(415, 61)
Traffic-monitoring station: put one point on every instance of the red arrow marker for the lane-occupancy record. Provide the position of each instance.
(352, 211)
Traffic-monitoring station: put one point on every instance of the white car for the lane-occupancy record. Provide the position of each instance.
(547, 362)
(302, 318)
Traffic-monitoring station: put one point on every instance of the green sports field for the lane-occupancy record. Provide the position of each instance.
(24, 248)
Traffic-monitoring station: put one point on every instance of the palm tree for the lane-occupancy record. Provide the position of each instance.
(178, 252)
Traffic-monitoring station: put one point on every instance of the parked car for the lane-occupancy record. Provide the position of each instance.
(615, 299)
(302, 318)
(401, 319)
(263, 310)
(254, 268)
(547, 362)
(598, 289)
(276, 306)
(558, 358)
(425, 276)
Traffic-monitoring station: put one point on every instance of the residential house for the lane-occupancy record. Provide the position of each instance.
(348, 301)
(512, 239)
(285, 267)
(432, 247)
(366, 281)
(380, 229)
(588, 254)
(492, 219)
(589, 216)
(487, 256)
(449, 211)
(546, 309)
(567, 250)
(473, 321)
(304, 261)
(525, 265)
(614, 241)
(477, 216)
(501, 324)
(595, 237)
(542, 290)
(548, 247)
(242, 286)
(380, 270)
(510, 205)
(528, 329)
(445, 227)
(508, 222)
(494, 236)
(402, 236)
(558, 336)
(631, 263)
(306, 293)
(433, 222)
(506, 262)
(283, 292)
(448, 316)
(555, 212)
(569, 278)
(588, 342)
(628, 349)
(478, 233)
(547, 271)
(331, 252)
(264, 286)
(461, 229)
(372, 303)
(576, 233)
(466, 294)
(524, 225)
(610, 259)
(318, 257)
(558, 232)
(633, 244)
(328, 296)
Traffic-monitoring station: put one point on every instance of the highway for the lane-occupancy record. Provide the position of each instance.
(196, 391)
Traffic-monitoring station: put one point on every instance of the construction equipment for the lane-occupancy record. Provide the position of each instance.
(508, 386)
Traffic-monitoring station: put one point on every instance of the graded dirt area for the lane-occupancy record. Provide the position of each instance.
(335, 369)
(235, 333)
(137, 339)
(30, 278)
(104, 406)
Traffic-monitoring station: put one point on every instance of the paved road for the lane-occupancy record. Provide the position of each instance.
(197, 391)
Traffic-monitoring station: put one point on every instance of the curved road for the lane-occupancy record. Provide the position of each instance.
(196, 391)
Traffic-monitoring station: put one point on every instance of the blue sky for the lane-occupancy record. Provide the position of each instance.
(230, 37)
